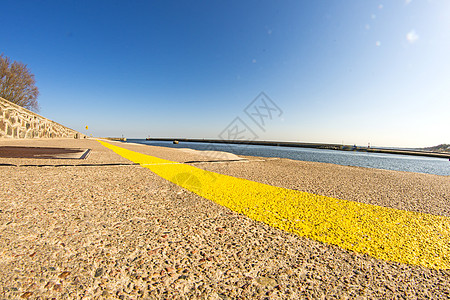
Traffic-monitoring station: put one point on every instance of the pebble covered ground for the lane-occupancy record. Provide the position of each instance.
(122, 232)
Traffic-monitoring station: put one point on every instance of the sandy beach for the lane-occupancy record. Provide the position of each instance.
(104, 228)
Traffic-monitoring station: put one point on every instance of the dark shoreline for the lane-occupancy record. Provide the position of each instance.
(309, 145)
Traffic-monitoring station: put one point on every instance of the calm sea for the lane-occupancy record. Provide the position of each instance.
(419, 164)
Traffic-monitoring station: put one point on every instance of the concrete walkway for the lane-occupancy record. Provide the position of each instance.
(105, 227)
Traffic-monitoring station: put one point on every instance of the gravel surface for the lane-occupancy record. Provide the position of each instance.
(122, 232)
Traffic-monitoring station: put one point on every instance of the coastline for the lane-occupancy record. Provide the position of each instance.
(123, 232)
(310, 145)
(419, 164)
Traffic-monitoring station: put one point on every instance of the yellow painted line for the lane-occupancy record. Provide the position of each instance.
(384, 233)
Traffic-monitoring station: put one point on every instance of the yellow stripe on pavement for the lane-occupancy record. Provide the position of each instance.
(382, 232)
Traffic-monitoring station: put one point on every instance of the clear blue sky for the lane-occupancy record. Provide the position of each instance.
(340, 71)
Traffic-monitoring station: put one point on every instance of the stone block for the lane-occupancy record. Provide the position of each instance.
(8, 130)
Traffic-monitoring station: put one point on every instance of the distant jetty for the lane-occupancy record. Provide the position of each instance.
(311, 145)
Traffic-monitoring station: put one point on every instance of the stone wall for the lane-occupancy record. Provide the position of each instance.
(20, 123)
